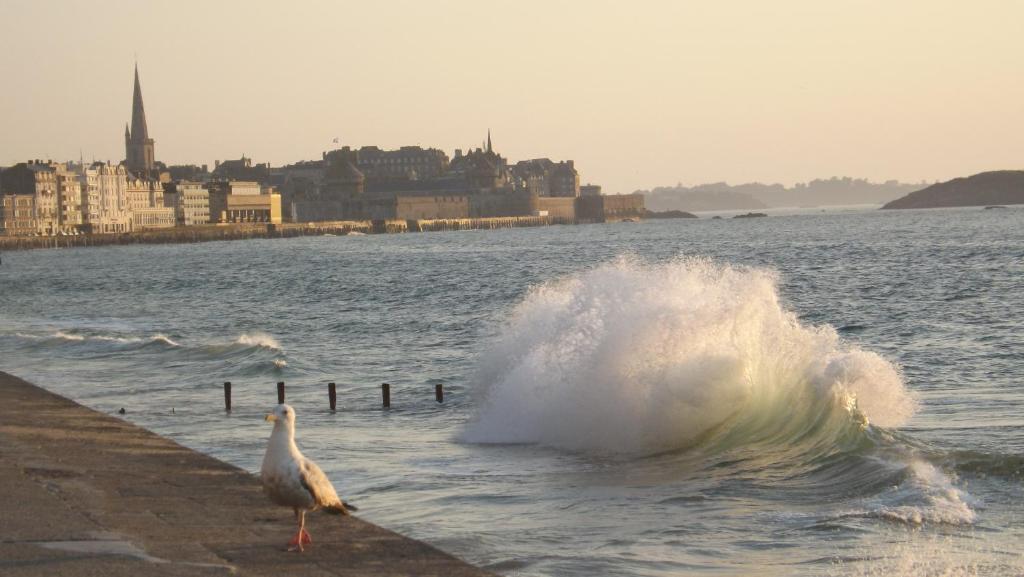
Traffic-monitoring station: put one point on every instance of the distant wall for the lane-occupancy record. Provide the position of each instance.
(520, 203)
(431, 207)
(610, 207)
(619, 206)
(557, 207)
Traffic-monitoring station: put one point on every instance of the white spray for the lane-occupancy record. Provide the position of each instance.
(630, 357)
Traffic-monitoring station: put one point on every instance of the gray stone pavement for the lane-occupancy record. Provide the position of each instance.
(83, 493)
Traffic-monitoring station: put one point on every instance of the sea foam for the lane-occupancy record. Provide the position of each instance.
(259, 339)
(635, 357)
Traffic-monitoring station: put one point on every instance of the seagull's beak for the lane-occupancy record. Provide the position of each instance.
(270, 418)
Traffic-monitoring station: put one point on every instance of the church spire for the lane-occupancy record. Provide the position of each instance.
(139, 151)
(489, 140)
(139, 130)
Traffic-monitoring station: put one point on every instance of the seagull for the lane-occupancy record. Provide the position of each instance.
(292, 480)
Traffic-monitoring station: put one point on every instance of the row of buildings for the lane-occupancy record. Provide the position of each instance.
(48, 198)
(368, 183)
(415, 183)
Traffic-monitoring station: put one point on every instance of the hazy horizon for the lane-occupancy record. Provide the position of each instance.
(640, 96)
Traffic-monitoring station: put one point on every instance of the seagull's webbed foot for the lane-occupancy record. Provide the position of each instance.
(297, 541)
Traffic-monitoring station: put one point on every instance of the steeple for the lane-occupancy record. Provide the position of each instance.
(139, 130)
(489, 140)
(140, 157)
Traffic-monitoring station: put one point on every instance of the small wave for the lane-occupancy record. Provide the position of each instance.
(77, 338)
(926, 496)
(280, 363)
(157, 338)
(921, 556)
(161, 338)
(258, 339)
(985, 464)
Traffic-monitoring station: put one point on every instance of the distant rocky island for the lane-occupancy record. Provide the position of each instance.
(668, 214)
(819, 192)
(987, 188)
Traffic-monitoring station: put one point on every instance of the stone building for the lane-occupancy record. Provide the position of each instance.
(244, 201)
(253, 208)
(543, 177)
(565, 181)
(242, 169)
(69, 201)
(140, 154)
(190, 201)
(144, 193)
(17, 215)
(155, 217)
(55, 191)
(189, 172)
(340, 195)
(421, 184)
(146, 203)
(408, 162)
(482, 170)
(91, 205)
(342, 180)
(105, 207)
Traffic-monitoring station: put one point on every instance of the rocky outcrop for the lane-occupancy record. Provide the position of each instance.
(668, 214)
(986, 188)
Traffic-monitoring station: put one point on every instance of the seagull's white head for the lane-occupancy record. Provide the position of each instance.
(282, 415)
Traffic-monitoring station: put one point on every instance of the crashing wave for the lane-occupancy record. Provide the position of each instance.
(636, 358)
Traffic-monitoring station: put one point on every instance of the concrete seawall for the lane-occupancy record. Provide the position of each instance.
(88, 494)
(242, 231)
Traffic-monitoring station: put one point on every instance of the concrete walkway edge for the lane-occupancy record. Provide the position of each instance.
(83, 493)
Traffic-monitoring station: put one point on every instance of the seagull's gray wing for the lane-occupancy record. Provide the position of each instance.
(319, 486)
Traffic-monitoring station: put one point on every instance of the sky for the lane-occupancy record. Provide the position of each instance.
(639, 93)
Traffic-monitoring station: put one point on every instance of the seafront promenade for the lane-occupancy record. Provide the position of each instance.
(86, 493)
(211, 232)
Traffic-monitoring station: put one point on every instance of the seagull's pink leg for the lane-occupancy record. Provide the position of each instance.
(296, 543)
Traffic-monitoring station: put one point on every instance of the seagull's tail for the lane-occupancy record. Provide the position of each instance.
(341, 508)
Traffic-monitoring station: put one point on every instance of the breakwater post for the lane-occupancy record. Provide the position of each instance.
(332, 395)
(385, 392)
(227, 396)
(280, 392)
(439, 392)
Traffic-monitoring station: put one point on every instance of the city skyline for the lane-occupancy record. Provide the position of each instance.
(898, 92)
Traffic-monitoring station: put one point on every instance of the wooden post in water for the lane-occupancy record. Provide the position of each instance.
(385, 392)
(439, 392)
(332, 395)
(227, 396)
(280, 392)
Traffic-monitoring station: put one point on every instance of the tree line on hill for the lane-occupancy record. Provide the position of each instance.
(819, 192)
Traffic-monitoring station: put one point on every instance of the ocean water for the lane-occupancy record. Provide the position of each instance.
(817, 393)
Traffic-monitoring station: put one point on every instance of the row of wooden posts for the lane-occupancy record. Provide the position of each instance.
(332, 394)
